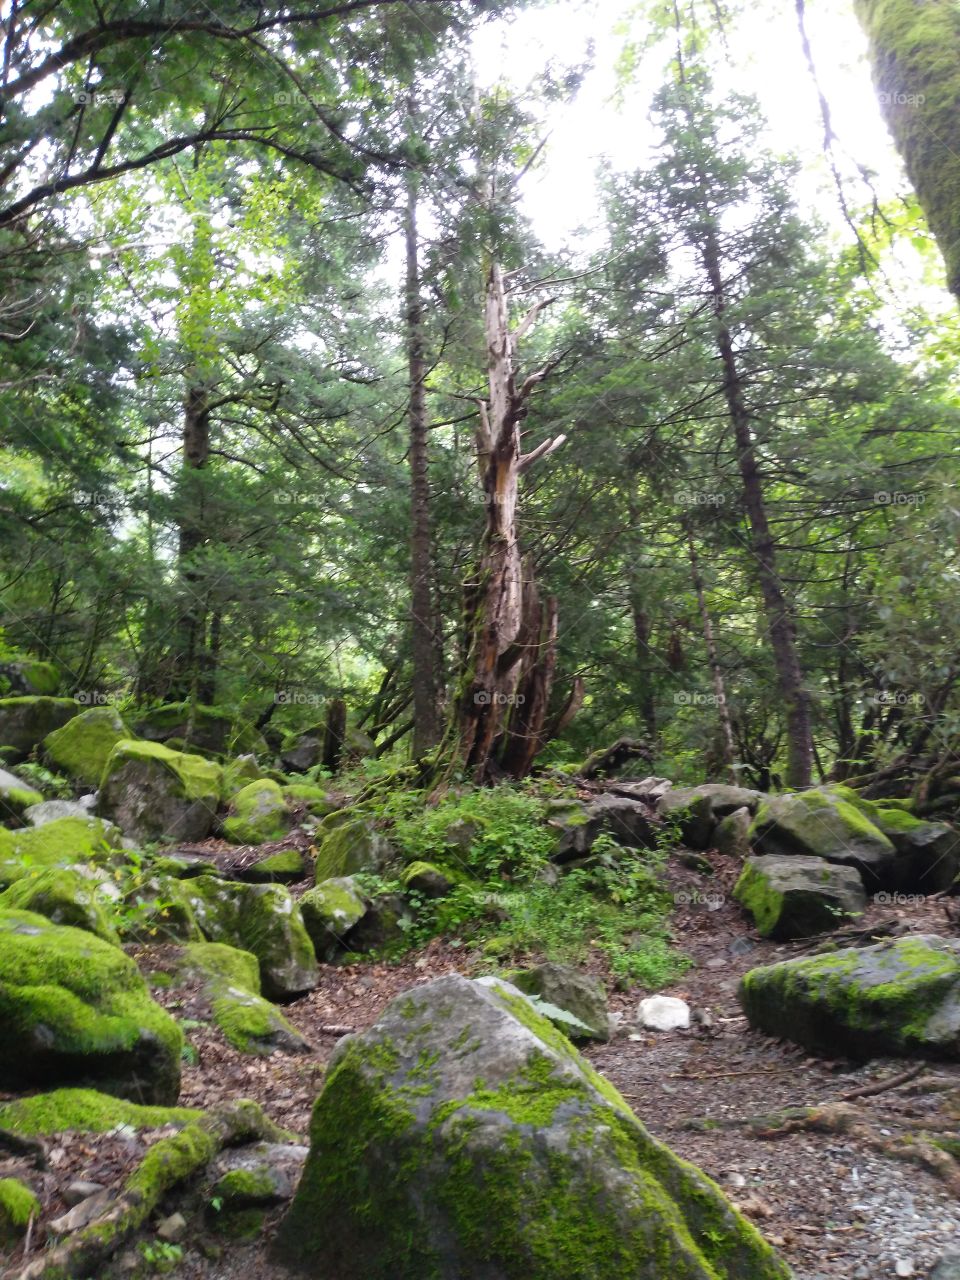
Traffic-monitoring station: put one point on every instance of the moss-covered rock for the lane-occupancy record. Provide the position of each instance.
(85, 1111)
(257, 813)
(928, 853)
(286, 866)
(330, 910)
(232, 985)
(263, 1173)
(82, 897)
(349, 846)
(238, 772)
(898, 997)
(200, 727)
(304, 795)
(572, 991)
(61, 843)
(16, 797)
(691, 812)
(263, 919)
(153, 793)
(18, 1205)
(25, 722)
(823, 826)
(158, 908)
(384, 926)
(76, 1010)
(463, 1138)
(732, 833)
(81, 747)
(24, 676)
(798, 897)
(427, 879)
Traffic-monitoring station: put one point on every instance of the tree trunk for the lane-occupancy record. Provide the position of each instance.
(507, 637)
(780, 620)
(727, 749)
(188, 644)
(426, 664)
(915, 53)
(335, 731)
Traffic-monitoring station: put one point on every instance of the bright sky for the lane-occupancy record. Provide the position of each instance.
(770, 64)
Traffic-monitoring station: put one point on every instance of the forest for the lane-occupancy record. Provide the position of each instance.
(481, 548)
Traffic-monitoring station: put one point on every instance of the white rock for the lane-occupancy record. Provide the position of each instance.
(664, 1013)
(904, 1267)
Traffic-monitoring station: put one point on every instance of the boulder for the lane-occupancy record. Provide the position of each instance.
(304, 795)
(16, 796)
(463, 1138)
(663, 1013)
(238, 772)
(350, 845)
(286, 866)
(64, 842)
(571, 990)
(263, 919)
(231, 984)
(385, 923)
(25, 722)
(899, 997)
(257, 813)
(75, 1010)
(153, 793)
(578, 825)
(427, 879)
(204, 728)
(726, 799)
(260, 1173)
(798, 897)
(81, 896)
(21, 676)
(81, 747)
(330, 911)
(691, 812)
(158, 908)
(649, 790)
(928, 853)
(824, 826)
(39, 815)
(732, 833)
(302, 751)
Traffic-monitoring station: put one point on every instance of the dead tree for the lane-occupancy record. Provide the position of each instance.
(511, 636)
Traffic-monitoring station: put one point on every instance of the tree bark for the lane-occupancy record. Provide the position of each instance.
(188, 644)
(727, 748)
(780, 620)
(915, 53)
(507, 637)
(426, 664)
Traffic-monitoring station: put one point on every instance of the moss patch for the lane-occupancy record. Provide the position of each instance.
(85, 1111)
(81, 747)
(258, 813)
(18, 1205)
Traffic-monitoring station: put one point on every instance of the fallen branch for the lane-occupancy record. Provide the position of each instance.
(883, 1086)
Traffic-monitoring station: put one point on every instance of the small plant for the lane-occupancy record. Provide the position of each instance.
(161, 1255)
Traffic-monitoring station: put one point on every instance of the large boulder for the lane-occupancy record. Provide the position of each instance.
(81, 896)
(691, 813)
(16, 796)
(799, 897)
(732, 833)
(572, 991)
(824, 826)
(928, 853)
(153, 793)
(205, 728)
(257, 813)
(897, 997)
(65, 842)
(463, 1138)
(80, 747)
(330, 910)
(231, 985)
(262, 919)
(75, 1010)
(578, 825)
(21, 676)
(349, 846)
(25, 722)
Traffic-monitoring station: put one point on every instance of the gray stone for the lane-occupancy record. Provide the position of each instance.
(798, 897)
(25, 722)
(50, 810)
(732, 833)
(824, 826)
(330, 910)
(649, 790)
(172, 1229)
(79, 1190)
(664, 1013)
(462, 1138)
(270, 1173)
(153, 793)
(947, 1268)
(626, 821)
(571, 990)
(899, 997)
(691, 812)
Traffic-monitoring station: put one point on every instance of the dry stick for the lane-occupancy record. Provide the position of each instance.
(882, 1086)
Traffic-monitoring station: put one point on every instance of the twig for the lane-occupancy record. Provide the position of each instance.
(882, 1086)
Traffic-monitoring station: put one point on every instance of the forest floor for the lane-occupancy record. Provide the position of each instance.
(836, 1204)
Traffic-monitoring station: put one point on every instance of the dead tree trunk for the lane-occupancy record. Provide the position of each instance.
(510, 638)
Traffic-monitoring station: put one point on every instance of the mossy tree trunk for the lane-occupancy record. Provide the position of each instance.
(915, 52)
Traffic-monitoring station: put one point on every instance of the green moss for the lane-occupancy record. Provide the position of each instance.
(85, 1111)
(226, 964)
(71, 1005)
(81, 747)
(61, 843)
(257, 814)
(915, 52)
(65, 897)
(304, 795)
(16, 796)
(18, 1205)
(352, 845)
(764, 903)
(244, 1186)
(199, 779)
(248, 1021)
(283, 867)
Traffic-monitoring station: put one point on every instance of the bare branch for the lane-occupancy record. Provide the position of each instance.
(541, 451)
